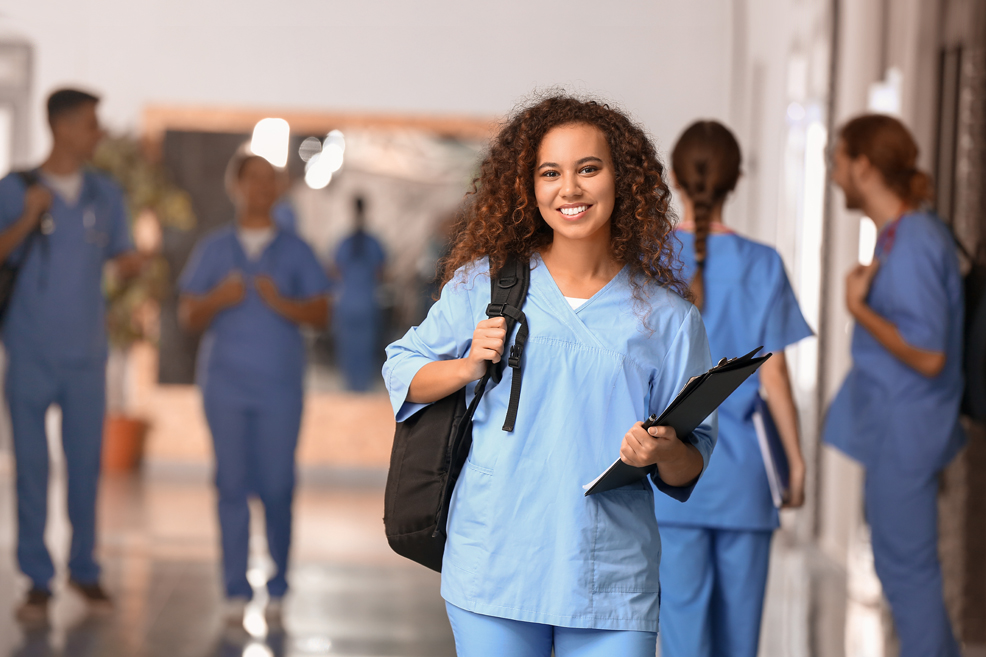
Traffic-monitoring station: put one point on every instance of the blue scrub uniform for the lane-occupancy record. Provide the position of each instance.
(284, 216)
(904, 427)
(356, 314)
(717, 545)
(251, 366)
(55, 336)
(524, 543)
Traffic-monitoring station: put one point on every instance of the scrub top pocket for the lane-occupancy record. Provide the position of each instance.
(469, 519)
(618, 564)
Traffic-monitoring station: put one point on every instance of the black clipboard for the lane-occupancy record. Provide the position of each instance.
(696, 401)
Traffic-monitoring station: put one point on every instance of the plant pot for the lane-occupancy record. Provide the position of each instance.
(123, 443)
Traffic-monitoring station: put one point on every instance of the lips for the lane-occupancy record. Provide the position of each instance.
(574, 211)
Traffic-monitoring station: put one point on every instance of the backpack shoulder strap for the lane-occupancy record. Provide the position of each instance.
(29, 176)
(507, 294)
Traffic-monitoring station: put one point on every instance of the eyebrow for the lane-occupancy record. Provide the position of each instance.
(591, 158)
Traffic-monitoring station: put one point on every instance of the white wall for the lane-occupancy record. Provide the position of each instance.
(664, 60)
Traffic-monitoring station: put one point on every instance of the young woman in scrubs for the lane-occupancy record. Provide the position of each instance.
(250, 287)
(897, 412)
(531, 563)
(717, 545)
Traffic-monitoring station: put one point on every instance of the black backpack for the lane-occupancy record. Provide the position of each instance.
(973, 331)
(974, 338)
(431, 446)
(10, 269)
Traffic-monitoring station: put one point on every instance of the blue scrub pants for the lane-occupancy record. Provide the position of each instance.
(32, 385)
(713, 583)
(255, 447)
(477, 635)
(357, 349)
(902, 510)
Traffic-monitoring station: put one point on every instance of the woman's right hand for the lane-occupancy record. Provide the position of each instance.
(487, 345)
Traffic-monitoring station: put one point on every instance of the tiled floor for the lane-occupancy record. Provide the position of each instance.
(350, 594)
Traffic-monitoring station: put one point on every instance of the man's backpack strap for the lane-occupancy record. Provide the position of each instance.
(508, 289)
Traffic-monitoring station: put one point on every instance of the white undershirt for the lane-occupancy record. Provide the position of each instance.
(68, 187)
(575, 303)
(255, 240)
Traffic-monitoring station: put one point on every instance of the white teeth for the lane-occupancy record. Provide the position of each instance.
(575, 210)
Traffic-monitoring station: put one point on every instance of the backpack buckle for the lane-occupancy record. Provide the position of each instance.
(495, 309)
(515, 353)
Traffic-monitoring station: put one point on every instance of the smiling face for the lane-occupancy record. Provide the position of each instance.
(78, 131)
(257, 185)
(574, 182)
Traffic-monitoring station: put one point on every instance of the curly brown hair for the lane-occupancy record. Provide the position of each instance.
(501, 216)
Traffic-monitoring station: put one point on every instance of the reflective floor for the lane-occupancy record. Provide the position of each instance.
(350, 594)
(159, 548)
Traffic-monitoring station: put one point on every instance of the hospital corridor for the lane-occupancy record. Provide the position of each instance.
(640, 328)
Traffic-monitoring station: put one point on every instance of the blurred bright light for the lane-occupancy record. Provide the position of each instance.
(885, 96)
(257, 577)
(321, 165)
(796, 112)
(6, 138)
(317, 174)
(336, 137)
(867, 240)
(270, 141)
(257, 650)
(310, 147)
(313, 645)
(254, 622)
(331, 157)
(816, 138)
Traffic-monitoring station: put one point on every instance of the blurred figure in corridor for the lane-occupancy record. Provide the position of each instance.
(359, 261)
(250, 287)
(897, 412)
(716, 546)
(59, 224)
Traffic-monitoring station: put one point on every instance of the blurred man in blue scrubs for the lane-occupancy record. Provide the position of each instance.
(61, 230)
(897, 412)
(359, 263)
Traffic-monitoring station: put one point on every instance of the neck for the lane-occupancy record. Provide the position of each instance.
(254, 219)
(61, 162)
(688, 211)
(582, 259)
(883, 206)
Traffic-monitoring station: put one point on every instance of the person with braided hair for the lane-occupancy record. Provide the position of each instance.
(897, 412)
(532, 566)
(717, 544)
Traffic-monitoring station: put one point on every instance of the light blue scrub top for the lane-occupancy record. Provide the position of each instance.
(359, 258)
(58, 310)
(524, 543)
(885, 409)
(748, 302)
(250, 354)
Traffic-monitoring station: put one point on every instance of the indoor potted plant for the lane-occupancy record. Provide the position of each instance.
(133, 302)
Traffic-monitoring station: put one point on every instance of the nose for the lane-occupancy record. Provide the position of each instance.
(570, 187)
